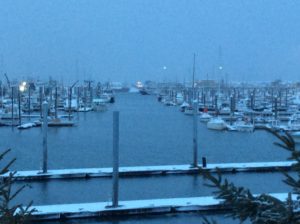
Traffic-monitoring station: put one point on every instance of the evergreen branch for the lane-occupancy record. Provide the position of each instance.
(206, 221)
(261, 209)
(2, 155)
(17, 192)
(16, 214)
(6, 168)
(246, 206)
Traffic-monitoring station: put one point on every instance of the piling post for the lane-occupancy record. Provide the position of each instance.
(51, 98)
(195, 125)
(70, 102)
(19, 107)
(45, 129)
(204, 164)
(12, 106)
(276, 107)
(272, 97)
(280, 96)
(85, 98)
(29, 106)
(78, 100)
(115, 197)
(41, 100)
(216, 105)
(2, 92)
(286, 97)
(231, 108)
(252, 101)
(56, 102)
(91, 95)
(195, 134)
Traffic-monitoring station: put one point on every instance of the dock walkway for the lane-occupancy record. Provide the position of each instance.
(139, 207)
(152, 170)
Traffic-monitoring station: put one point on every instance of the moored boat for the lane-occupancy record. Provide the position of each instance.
(56, 122)
(216, 123)
(26, 125)
(84, 109)
(205, 117)
(242, 126)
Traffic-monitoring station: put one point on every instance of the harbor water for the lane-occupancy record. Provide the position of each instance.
(150, 134)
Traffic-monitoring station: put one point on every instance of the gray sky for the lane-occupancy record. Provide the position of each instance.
(134, 39)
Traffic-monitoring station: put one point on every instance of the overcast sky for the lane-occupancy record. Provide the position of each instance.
(150, 39)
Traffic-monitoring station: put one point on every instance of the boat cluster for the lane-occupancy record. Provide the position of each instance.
(21, 103)
(241, 107)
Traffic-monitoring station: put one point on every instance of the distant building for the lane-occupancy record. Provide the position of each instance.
(207, 84)
(118, 87)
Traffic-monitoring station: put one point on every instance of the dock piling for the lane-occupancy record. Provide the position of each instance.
(195, 135)
(45, 127)
(56, 102)
(41, 100)
(12, 106)
(29, 106)
(276, 107)
(19, 107)
(115, 199)
(203, 162)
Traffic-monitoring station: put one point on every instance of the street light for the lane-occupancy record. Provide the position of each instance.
(22, 86)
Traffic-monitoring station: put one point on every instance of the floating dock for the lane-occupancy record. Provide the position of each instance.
(153, 170)
(139, 207)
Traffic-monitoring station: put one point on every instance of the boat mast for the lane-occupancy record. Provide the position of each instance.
(194, 93)
(220, 69)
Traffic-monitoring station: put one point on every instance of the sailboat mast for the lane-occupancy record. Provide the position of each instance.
(195, 125)
(194, 93)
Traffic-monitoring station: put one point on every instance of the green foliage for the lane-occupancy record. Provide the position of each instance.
(11, 214)
(264, 208)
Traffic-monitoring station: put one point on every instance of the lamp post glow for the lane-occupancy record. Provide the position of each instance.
(22, 86)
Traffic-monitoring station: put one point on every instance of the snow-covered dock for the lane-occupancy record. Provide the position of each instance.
(139, 207)
(153, 170)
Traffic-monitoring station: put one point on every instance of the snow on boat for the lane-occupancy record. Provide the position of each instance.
(84, 109)
(216, 123)
(205, 117)
(183, 106)
(242, 126)
(26, 125)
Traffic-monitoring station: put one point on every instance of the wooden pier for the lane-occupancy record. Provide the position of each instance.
(138, 207)
(152, 170)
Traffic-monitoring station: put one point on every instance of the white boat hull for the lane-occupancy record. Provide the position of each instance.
(216, 124)
(245, 128)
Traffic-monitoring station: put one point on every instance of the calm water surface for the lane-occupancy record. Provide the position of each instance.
(150, 134)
